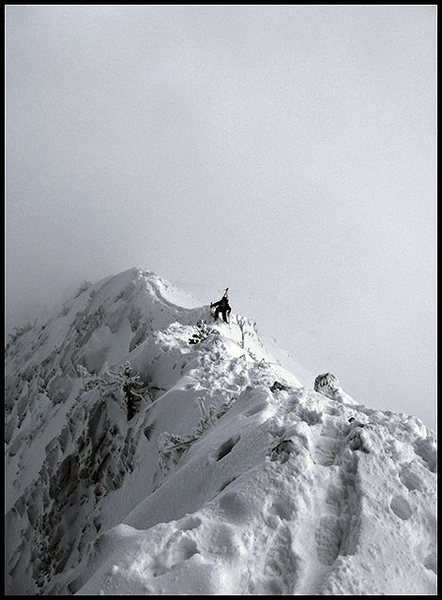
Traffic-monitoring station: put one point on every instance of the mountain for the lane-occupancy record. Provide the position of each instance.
(151, 450)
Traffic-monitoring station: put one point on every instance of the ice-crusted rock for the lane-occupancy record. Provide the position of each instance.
(327, 384)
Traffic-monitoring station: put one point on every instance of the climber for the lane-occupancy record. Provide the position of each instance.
(222, 306)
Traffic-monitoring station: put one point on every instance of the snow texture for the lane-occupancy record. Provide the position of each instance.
(151, 450)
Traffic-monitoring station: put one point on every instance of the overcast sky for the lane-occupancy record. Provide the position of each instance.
(278, 149)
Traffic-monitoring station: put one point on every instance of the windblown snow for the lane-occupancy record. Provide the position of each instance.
(152, 450)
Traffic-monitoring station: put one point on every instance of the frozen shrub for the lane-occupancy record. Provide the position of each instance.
(173, 446)
(202, 332)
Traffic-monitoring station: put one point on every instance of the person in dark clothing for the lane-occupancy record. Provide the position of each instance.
(222, 306)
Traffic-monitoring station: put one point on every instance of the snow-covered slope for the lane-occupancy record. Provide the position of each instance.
(153, 451)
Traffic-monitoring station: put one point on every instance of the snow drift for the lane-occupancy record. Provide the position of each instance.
(150, 450)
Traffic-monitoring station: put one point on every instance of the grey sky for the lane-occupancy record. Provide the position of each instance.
(283, 149)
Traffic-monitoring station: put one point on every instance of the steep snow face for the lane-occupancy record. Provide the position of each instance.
(151, 450)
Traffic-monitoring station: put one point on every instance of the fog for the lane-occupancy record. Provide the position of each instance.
(284, 150)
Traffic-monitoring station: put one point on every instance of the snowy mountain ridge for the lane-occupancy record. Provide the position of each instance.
(151, 450)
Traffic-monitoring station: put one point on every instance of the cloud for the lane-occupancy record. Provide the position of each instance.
(287, 148)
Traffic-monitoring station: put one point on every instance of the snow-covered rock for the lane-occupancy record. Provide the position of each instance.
(151, 450)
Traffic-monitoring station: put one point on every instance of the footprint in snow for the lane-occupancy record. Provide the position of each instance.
(281, 566)
(281, 509)
(410, 479)
(234, 508)
(430, 563)
(426, 450)
(182, 551)
(338, 531)
(328, 538)
(400, 507)
(329, 444)
(189, 523)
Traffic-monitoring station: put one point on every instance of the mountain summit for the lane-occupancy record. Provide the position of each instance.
(152, 450)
